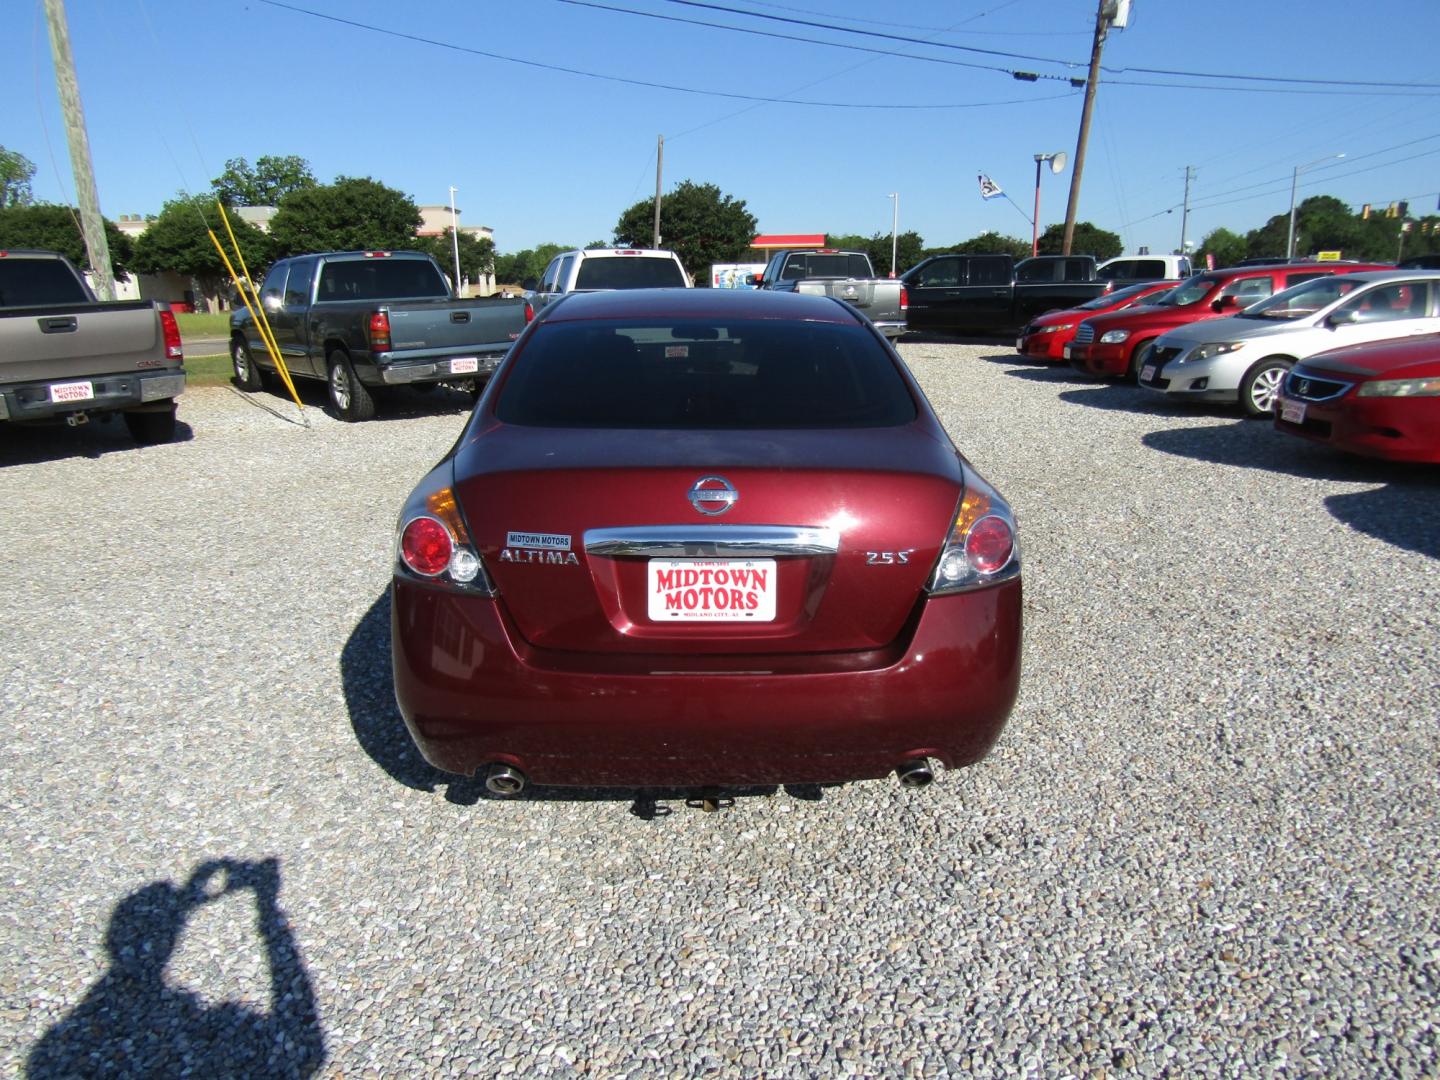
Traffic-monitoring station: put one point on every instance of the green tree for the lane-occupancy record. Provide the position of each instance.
(477, 253)
(352, 214)
(1227, 247)
(520, 266)
(16, 172)
(178, 241)
(909, 249)
(697, 222)
(1322, 223)
(57, 228)
(1088, 239)
(596, 245)
(269, 181)
(987, 243)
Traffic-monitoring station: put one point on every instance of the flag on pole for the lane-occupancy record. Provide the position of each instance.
(988, 188)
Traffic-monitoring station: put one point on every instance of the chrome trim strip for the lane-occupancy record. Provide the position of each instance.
(710, 541)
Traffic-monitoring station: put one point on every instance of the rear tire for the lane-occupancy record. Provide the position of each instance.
(247, 374)
(1137, 360)
(1261, 384)
(151, 428)
(352, 402)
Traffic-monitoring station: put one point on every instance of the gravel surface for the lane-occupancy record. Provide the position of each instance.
(1205, 846)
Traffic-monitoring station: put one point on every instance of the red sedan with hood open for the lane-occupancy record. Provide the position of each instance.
(704, 538)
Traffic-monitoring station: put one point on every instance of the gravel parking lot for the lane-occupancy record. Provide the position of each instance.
(1205, 846)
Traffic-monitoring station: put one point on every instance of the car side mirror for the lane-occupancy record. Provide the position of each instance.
(756, 279)
(1343, 317)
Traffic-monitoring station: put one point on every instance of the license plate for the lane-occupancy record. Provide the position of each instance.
(72, 391)
(1069, 352)
(464, 365)
(1019, 344)
(1292, 412)
(1147, 372)
(712, 590)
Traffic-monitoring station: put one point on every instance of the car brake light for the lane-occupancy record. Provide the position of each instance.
(171, 331)
(529, 311)
(425, 545)
(989, 544)
(379, 330)
(435, 544)
(981, 548)
(377, 254)
(904, 299)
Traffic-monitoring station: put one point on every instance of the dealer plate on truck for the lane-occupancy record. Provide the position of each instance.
(72, 391)
(464, 365)
(711, 590)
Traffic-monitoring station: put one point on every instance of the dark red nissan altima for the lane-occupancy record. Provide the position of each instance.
(704, 537)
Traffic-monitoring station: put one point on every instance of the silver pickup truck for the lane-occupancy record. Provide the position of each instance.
(363, 320)
(65, 356)
(845, 275)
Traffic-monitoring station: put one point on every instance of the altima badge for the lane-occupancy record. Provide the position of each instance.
(713, 495)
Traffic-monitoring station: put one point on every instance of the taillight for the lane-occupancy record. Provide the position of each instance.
(981, 548)
(435, 544)
(904, 299)
(529, 311)
(170, 329)
(379, 330)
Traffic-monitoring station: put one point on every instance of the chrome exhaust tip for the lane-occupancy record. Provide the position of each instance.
(915, 774)
(504, 779)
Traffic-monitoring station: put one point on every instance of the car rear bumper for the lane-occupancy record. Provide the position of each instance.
(892, 330)
(108, 393)
(439, 370)
(472, 693)
(1392, 429)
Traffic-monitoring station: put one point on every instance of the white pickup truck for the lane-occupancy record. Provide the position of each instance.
(65, 356)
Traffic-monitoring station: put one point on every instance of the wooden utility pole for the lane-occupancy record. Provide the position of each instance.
(1185, 213)
(1102, 24)
(659, 169)
(92, 225)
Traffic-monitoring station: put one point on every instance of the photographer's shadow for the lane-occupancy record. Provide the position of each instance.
(134, 1023)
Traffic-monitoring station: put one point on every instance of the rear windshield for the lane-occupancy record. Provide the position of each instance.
(380, 279)
(629, 272)
(744, 374)
(31, 282)
(843, 264)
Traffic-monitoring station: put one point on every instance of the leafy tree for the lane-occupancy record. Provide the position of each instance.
(16, 172)
(1227, 247)
(178, 241)
(595, 245)
(530, 263)
(477, 253)
(1088, 239)
(697, 222)
(909, 249)
(269, 181)
(987, 243)
(1322, 223)
(57, 228)
(352, 214)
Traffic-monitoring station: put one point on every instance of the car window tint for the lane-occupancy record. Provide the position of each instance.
(1247, 289)
(274, 286)
(1033, 270)
(381, 279)
(1383, 304)
(297, 286)
(562, 274)
(629, 272)
(1077, 270)
(940, 274)
(27, 282)
(989, 270)
(547, 282)
(747, 374)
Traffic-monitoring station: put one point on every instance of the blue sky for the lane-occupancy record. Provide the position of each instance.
(173, 88)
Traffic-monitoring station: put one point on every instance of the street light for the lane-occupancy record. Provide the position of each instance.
(1057, 165)
(894, 231)
(455, 238)
(1294, 182)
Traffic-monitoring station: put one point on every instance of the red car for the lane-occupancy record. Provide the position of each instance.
(1047, 335)
(1116, 344)
(704, 537)
(1380, 400)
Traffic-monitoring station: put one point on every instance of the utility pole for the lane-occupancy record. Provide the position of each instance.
(92, 225)
(1102, 25)
(659, 170)
(455, 237)
(1185, 213)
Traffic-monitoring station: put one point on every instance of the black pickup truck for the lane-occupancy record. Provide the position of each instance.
(367, 319)
(993, 293)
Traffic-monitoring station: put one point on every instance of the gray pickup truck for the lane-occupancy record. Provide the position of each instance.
(363, 320)
(65, 356)
(845, 275)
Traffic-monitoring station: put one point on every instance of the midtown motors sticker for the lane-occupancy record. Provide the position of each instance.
(533, 547)
(539, 541)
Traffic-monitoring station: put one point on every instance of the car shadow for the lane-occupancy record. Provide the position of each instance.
(391, 403)
(25, 444)
(380, 730)
(1404, 511)
(135, 1022)
(1115, 396)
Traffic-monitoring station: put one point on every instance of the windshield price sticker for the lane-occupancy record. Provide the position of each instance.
(712, 590)
(464, 365)
(72, 391)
